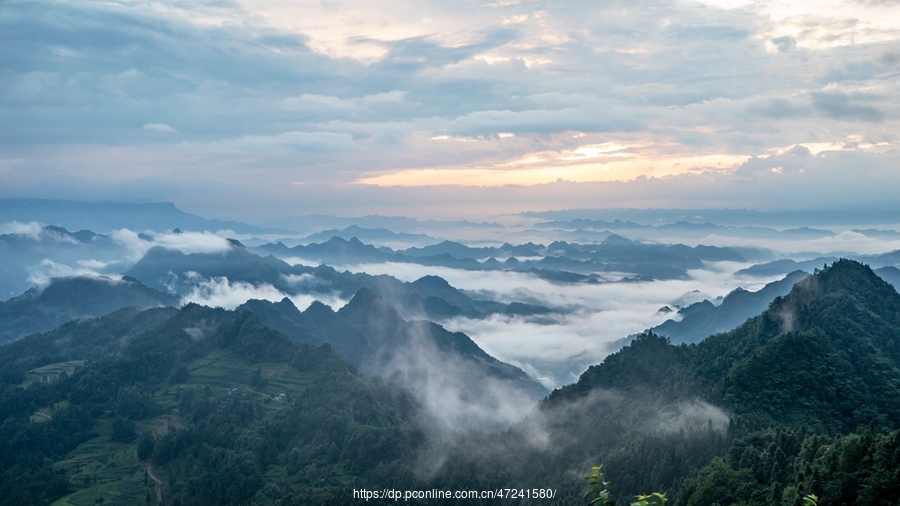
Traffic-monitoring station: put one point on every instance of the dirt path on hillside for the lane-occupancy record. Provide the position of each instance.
(149, 468)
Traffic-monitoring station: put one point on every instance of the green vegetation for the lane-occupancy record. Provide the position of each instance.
(766, 414)
(600, 488)
(228, 412)
(800, 405)
(51, 372)
(43, 308)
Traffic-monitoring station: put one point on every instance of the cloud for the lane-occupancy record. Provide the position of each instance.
(220, 292)
(310, 142)
(785, 43)
(557, 353)
(843, 242)
(692, 415)
(889, 58)
(456, 391)
(159, 128)
(32, 229)
(278, 105)
(309, 103)
(311, 288)
(186, 242)
(42, 273)
(840, 105)
(776, 108)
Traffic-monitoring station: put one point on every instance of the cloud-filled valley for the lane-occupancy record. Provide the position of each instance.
(521, 309)
(266, 252)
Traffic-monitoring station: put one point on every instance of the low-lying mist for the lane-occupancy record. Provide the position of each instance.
(222, 292)
(456, 392)
(846, 242)
(555, 350)
(559, 441)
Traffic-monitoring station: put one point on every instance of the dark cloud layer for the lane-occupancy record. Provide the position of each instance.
(277, 104)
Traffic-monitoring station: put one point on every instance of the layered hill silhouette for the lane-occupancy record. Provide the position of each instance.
(447, 371)
(739, 418)
(45, 307)
(26, 255)
(777, 267)
(803, 398)
(826, 354)
(223, 399)
(429, 297)
(109, 216)
(703, 319)
(579, 261)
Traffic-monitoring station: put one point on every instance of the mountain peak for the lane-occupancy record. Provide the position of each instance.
(820, 356)
(286, 303)
(842, 279)
(45, 307)
(431, 281)
(318, 309)
(364, 302)
(616, 240)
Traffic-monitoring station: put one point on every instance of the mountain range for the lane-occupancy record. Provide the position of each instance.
(703, 319)
(884, 212)
(429, 297)
(801, 399)
(439, 367)
(104, 217)
(45, 307)
(36, 252)
(560, 261)
(784, 266)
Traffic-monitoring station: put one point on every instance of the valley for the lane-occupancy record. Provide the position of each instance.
(234, 374)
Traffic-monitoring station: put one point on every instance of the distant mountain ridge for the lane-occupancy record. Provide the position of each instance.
(801, 399)
(439, 367)
(369, 234)
(777, 267)
(844, 312)
(43, 308)
(558, 262)
(883, 212)
(429, 297)
(691, 229)
(26, 254)
(107, 216)
(703, 319)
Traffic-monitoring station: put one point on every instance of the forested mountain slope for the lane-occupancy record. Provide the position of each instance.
(760, 415)
(703, 319)
(827, 354)
(45, 307)
(446, 370)
(804, 398)
(428, 297)
(230, 412)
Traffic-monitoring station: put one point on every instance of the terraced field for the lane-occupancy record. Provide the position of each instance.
(104, 469)
(51, 372)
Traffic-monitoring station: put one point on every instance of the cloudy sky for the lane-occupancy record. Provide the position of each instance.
(248, 109)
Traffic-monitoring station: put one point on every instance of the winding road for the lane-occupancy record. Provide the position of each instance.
(149, 468)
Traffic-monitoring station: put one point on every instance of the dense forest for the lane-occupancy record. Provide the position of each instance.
(802, 399)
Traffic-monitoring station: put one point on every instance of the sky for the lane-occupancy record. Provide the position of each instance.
(243, 109)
